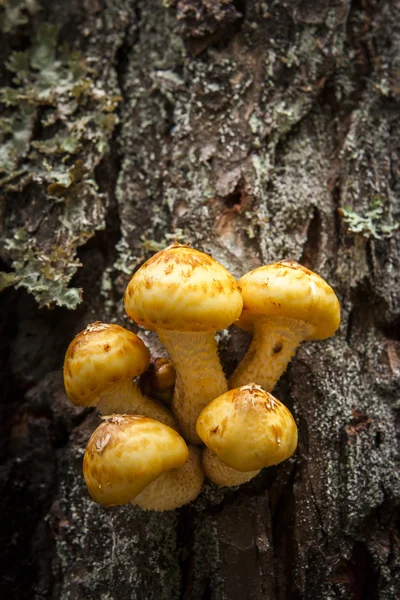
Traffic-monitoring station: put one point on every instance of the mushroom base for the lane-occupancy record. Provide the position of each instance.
(174, 488)
(219, 473)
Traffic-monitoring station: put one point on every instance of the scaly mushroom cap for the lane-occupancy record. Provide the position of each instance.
(248, 429)
(126, 453)
(287, 289)
(100, 356)
(182, 289)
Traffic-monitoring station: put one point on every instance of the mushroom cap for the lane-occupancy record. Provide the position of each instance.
(248, 428)
(287, 289)
(126, 453)
(99, 356)
(182, 289)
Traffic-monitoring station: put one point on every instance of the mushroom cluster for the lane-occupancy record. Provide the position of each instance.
(185, 420)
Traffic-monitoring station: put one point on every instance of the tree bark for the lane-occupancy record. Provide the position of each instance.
(255, 132)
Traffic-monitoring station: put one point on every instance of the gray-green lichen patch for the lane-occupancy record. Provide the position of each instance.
(14, 13)
(54, 266)
(57, 121)
(372, 223)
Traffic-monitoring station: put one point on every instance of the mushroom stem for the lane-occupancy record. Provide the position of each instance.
(275, 341)
(125, 397)
(219, 473)
(175, 487)
(199, 376)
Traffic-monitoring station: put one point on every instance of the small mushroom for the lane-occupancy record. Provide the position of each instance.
(159, 380)
(248, 429)
(99, 367)
(283, 304)
(185, 295)
(140, 460)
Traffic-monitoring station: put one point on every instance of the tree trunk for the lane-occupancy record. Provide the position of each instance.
(255, 132)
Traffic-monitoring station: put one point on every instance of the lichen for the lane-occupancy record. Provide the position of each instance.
(45, 275)
(57, 121)
(14, 13)
(371, 223)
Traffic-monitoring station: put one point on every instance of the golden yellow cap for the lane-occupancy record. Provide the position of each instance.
(182, 289)
(287, 289)
(126, 453)
(98, 357)
(248, 428)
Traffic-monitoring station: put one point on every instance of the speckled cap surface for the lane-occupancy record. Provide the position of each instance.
(248, 428)
(287, 289)
(182, 289)
(126, 453)
(99, 356)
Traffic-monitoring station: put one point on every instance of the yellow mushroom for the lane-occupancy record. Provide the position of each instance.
(99, 366)
(185, 295)
(283, 304)
(247, 429)
(140, 460)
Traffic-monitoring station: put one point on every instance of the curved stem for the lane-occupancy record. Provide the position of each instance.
(219, 473)
(199, 376)
(275, 341)
(125, 398)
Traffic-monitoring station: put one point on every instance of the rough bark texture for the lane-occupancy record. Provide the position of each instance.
(254, 131)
